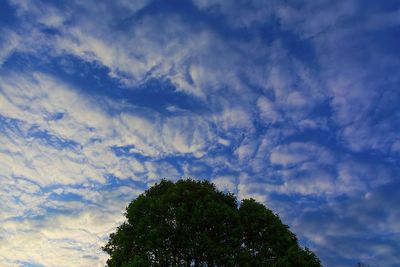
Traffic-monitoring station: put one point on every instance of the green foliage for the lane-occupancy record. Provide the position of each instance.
(190, 223)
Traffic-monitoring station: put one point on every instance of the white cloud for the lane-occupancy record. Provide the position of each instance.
(309, 179)
(159, 170)
(248, 188)
(74, 237)
(57, 240)
(356, 176)
(245, 152)
(298, 153)
(227, 183)
(267, 110)
(234, 118)
(75, 156)
(8, 42)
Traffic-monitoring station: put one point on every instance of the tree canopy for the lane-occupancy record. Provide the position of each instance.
(191, 223)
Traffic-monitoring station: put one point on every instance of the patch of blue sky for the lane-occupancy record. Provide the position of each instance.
(28, 264)
(50, 139)
(7, 14)
(87, 76)
(114, 182)
(11, 124)
(192, 16)
(92, 79)
(298, 48)
(159, 95)
(127, 151)
(322, 137)
(67, 196)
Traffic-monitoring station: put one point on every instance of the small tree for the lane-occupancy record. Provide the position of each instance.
(191, 223)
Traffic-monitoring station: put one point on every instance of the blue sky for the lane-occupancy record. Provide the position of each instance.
(293, 103)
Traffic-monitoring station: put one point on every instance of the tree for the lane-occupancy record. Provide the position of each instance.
(191, 223)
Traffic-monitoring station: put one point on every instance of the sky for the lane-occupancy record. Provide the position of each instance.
(293, 103)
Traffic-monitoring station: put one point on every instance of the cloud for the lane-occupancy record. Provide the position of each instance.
(64, 142)
(72, 235)
(267, 110)
(8, 42)
(225, 183)
(297, 153)
(361, 220)
(57, 240)
(293, 105)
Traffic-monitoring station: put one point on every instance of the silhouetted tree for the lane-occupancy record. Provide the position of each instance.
(191, 223)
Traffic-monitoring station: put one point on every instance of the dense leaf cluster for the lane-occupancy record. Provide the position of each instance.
(190, 223)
